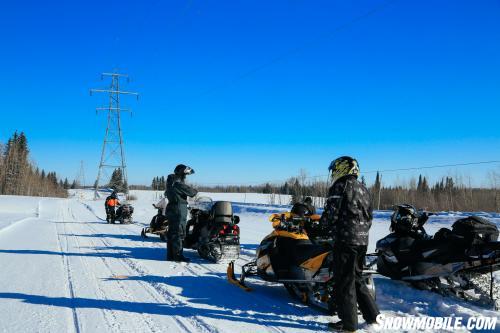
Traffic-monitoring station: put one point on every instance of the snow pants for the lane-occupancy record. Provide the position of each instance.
(348, 261)
(175, 237)
(110, 214)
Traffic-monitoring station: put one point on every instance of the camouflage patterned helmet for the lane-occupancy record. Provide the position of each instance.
(343, 166)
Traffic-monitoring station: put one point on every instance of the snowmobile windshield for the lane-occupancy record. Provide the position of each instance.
(203, 203)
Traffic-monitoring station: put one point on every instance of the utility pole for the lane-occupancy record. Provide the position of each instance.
(379, 191)
(113, 155)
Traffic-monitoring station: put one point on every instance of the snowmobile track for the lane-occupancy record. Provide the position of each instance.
(163, 292)
(69, 279)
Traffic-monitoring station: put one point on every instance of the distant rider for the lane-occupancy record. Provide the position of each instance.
(348, 211)
(110, 205)
(177, 193)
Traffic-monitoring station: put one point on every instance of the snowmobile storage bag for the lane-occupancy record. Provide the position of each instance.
(222, 212)
(475, 230)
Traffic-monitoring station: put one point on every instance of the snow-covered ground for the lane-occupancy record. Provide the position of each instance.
(63, 269)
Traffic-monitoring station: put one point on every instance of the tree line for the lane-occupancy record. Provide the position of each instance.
(20, 176)
(448, 194)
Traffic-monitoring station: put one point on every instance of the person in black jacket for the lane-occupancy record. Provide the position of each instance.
(348, 211)
(177, 193)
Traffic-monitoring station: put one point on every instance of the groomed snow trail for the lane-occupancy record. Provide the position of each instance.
(68, 271)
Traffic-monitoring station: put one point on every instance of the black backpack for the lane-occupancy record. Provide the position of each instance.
(475, 230)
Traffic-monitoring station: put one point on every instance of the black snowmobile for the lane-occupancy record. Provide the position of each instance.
(157, 226)
(458, 262)
(213, 230)
(124, 214)
(288, 256)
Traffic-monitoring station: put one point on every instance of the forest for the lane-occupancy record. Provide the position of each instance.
(20, 176)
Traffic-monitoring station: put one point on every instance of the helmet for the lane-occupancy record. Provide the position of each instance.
(301, 209)
(343, 166)
(308, 200)
(114, 194)
(404, 219)
(183, 170)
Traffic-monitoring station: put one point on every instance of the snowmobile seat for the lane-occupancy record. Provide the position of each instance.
(222, 212)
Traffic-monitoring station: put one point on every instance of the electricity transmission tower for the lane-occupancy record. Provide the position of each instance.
(112, 155)
(81, 176)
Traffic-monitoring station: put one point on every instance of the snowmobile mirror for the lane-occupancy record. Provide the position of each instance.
(236, 219)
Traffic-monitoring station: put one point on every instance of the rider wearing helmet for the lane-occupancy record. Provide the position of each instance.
(348, 212)
(177, 193)
(407, 221)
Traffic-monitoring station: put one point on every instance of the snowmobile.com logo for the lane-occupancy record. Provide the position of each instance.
(435, 323)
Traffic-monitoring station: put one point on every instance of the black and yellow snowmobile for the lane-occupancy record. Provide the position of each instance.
(288, 256)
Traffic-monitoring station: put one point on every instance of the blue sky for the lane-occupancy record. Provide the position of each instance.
(415, 83)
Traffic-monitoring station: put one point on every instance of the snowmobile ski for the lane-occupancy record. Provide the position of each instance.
(232, 278)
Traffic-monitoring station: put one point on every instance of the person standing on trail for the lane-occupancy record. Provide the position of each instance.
(110, 205)
(348, 211)
(177, 193)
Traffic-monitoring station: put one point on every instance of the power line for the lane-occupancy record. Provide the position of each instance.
(365, 172)
(298, 49)
(433, 166)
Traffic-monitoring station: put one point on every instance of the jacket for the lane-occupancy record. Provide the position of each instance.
(177, 193)
(348, 211)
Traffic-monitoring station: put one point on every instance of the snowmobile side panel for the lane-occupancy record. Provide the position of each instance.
(314, 264)
(287, 234)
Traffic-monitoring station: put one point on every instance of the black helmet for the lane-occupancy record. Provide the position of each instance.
(183, 170)
(114, 195)
(308, 200)
(405, 218)
(343, 166)
(301, 209)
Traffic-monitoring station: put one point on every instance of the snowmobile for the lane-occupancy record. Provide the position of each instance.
(124, 214)
(213, 230)
(288, 256)
(157, 226)
(458, 262)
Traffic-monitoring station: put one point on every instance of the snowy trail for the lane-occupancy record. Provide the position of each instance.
(65, 270)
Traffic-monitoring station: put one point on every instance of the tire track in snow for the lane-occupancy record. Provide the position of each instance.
(69, 277)
(160, 293)
(112, 323)
(149, 322)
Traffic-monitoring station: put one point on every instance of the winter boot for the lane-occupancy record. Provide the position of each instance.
(338, 327)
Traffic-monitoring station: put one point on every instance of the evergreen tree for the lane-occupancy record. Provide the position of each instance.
(116, 182)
